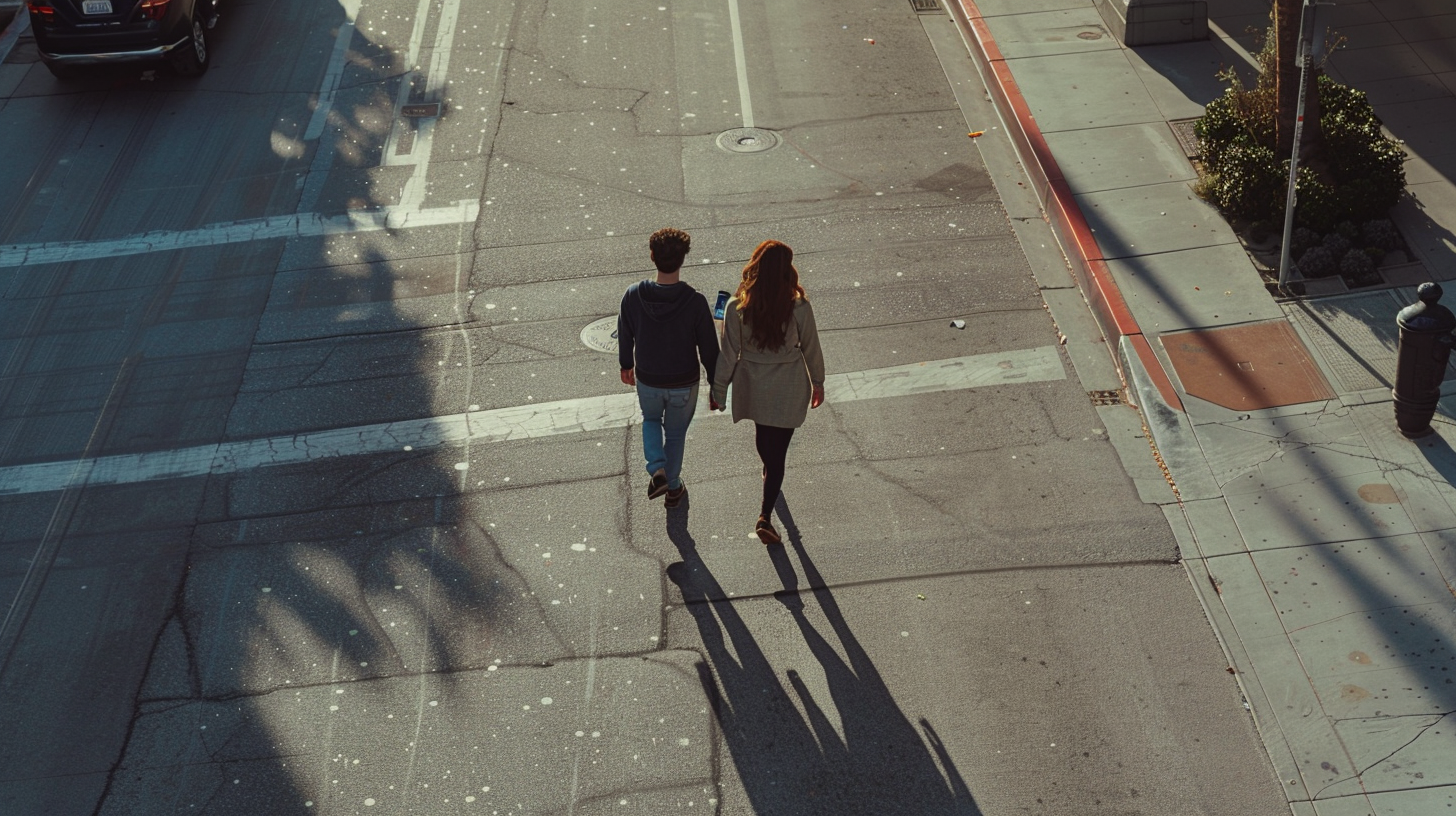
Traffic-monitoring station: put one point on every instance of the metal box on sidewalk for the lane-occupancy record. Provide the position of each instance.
(1139, 23)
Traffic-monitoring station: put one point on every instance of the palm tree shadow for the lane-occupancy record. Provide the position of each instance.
(791, 758)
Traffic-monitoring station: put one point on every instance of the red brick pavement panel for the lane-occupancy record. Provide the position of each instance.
(1246, 368)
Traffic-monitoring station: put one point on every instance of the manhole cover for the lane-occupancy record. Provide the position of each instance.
(1090, 35)
(748, 140)
(601, 335)
(925, 5)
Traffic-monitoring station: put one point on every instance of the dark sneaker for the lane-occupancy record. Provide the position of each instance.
(675, 497)
(658, 485)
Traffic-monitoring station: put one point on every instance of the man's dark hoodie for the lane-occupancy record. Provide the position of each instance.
(669, 328)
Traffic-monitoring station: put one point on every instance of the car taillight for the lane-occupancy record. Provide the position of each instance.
(154, 9)
(43, 9)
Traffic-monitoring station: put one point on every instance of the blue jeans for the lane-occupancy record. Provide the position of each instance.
(666, 413)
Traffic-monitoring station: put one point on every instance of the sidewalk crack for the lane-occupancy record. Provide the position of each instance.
(1361, 773)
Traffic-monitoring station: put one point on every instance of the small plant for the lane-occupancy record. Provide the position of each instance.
(1356, 264)
(1337, 244)
(1317, 262)
(1302, 239)
(1349, 230)
(1380, 233)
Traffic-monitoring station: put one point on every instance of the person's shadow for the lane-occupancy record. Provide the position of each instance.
(798, 763)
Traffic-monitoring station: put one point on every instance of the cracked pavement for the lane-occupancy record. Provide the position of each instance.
(332, 594)
(1339, 588)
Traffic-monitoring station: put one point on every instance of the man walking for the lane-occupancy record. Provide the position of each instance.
(664, 333)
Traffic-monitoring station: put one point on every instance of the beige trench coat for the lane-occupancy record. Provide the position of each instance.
(770, 387)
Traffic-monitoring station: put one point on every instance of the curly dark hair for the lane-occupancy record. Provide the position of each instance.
(767, 295)
(669, 246)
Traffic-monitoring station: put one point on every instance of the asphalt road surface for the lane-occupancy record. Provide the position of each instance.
(313, 500)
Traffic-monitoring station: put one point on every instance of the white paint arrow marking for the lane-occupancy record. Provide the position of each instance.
(503, 424)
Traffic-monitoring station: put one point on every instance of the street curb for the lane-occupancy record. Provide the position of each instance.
(1069, 225)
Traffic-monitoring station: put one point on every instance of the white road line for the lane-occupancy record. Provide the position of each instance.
(521, 422)
(410, 212)
(332, 77)
(444, 40)
(417, 35)
(744, 100)
(304, 225)
(323, 156)
(413, 194)
(392, 156)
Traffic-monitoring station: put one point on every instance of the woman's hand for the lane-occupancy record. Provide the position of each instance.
(818, 398)
(713, 405)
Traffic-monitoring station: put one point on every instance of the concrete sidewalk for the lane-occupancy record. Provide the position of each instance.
(1322, 541)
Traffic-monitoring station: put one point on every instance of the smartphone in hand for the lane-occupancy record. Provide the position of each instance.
(721, 307)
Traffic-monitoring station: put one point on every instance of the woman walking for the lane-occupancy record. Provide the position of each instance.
(771, 355)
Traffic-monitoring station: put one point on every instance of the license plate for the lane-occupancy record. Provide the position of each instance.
(96, 7)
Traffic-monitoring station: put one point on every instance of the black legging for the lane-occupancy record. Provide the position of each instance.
(773, 449)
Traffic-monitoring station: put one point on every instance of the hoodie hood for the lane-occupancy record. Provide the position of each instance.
(662, 303)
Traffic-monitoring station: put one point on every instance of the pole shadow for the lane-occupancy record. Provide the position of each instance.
(1439, 456)
(797, 763)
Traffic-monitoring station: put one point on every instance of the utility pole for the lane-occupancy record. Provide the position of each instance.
(1312, 26)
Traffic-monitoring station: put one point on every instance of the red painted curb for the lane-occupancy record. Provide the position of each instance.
(1109, 307)
(1155, 370)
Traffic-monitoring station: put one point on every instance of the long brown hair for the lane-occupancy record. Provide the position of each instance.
(767, 295)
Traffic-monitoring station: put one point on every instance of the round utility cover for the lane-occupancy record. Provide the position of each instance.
(601, 335)
(748, 140)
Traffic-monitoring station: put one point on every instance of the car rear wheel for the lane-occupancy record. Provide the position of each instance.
(192, 58)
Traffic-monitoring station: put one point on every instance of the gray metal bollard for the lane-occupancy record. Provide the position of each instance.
(1420, 363)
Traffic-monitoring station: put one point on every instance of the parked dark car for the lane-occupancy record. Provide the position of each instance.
(72, 33)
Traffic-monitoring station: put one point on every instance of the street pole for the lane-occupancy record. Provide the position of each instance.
(1311, 48)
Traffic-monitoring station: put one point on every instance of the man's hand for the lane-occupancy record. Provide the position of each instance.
(713, 405)
(818, 398)
(629, 377)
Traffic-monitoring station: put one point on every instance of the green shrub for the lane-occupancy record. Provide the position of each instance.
(1337, 244)
(1317, 262)
(1380, 233)
(1356, 264)
(1357, 175)
(1302, 239)
(1248, 182)
(1239, 117)
(1320, 205)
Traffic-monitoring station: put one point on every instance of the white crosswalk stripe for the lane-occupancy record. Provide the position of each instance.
(502, 424)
